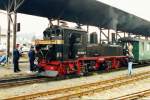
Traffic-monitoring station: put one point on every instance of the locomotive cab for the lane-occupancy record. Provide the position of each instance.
(60, 46)
(62, 43)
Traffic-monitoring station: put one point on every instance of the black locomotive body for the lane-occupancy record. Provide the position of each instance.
(104, 50)
(65, 51)
(66, 43)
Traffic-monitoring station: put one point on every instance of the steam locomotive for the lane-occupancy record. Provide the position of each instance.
(64, 51)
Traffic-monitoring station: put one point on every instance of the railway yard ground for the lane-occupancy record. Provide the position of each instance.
(7, 70)
(86, 51)
(115, 92)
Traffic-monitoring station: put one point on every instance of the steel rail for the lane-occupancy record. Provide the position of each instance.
(7, 83)
(134, 96)
(85, 89)
(12, 82)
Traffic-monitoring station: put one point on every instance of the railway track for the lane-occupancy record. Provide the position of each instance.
(134, 96)
(86, 89)
(7, 83)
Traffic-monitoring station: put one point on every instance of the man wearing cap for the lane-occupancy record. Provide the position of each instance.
(31, 55)
(16, 56)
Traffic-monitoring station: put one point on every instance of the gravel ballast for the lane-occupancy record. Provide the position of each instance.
(39, 87)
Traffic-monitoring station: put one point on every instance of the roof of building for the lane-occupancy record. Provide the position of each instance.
(87, 12)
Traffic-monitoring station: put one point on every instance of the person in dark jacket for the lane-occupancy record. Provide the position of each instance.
(31, 55)
(16, 56)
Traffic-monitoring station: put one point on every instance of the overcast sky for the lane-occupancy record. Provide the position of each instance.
(137, 7)
(32, 24)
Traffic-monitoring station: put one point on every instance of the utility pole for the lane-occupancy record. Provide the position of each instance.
(17, 4)
(0, 33)
(14, 30)
(15, 24)
(8, 37)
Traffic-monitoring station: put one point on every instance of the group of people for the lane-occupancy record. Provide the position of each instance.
(16, 56)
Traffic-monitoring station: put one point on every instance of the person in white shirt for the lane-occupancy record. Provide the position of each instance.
(130, 58)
